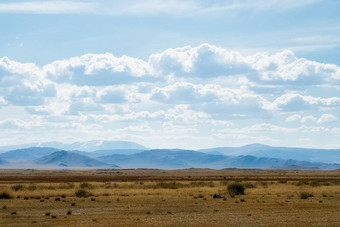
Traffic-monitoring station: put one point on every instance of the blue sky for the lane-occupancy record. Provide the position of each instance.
(189, 74)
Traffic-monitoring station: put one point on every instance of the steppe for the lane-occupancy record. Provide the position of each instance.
(151, 197)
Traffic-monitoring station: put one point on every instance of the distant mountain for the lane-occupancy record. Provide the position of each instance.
(27, 153)
(93, 145)
(70, 159)
(193, 159)
(95, 154)
(260, 150)
(2, 161)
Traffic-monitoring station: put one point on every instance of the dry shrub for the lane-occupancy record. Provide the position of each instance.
(86, 185)
(82, 193)
(249, 185)
(17, 187)
(168, 185)
(5, 195)
(305, 195)
(236, 189)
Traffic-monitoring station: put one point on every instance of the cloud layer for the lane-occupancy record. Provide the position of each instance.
(190, 97)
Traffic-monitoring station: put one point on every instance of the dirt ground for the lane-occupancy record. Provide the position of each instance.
(169, 198)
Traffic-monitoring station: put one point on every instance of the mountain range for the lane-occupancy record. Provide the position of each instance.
(122, 154)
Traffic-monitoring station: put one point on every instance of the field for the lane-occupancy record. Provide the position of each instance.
(169, 198)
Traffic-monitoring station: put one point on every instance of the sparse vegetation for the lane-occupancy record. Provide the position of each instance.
(236, 189)
(207, 193)
(5, 195)
(86, 185)
(305, 195)
(82, 193)
(17, 187)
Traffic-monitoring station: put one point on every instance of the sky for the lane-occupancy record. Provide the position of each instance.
(171, 74)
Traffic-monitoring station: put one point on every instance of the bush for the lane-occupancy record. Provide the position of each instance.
(82, 193)
(86, 185)
(168, 185)
(17, 187)
(236, 189)
(305, 195)
(5, 195)
(249, 185)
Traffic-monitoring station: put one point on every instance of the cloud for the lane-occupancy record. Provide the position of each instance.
(208, 61)
(148, 7)
(99, 70)
(184, 93)
(49, 7)
(23, 83)
(297, 102)
(327, 118)
(203, 61)
(12, 123)
(294, 117)
(308, 119)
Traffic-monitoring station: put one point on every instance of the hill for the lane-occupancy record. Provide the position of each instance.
(70, 159)
(260, 150)
(170, 159)
(27, 153)
(82, 146)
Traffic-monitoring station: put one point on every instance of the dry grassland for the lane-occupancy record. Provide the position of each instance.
(169, 198)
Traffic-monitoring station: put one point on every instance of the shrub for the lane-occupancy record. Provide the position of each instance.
(5, 195)
(236, 189)
(249, 185)
(86, 185)
(32, 187)
(168, 185)
(82, 193)
(305, 195)
(17, 187)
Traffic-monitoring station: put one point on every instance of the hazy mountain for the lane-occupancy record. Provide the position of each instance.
(70, 159)
(27, 153)
(2, 161)
(193, 159)
(260, 150)
(95, 154)
(82, 146)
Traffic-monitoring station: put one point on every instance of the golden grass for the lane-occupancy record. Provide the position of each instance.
(173, 200)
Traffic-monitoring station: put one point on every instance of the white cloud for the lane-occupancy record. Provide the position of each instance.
(98, 70)
(296, 102)
(294, 117)
(12, 123)
(49, 7)
(147, 7)
(308, 119)
(327, 118)
(189, 92)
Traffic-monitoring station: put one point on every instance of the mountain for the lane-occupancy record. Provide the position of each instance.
(2, 161)
(27, 153)
(82, 146)
(171, 159)
(70, 159)
(260, 150)
(95, 154)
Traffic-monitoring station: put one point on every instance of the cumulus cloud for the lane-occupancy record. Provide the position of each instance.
(327, 118)
(98, 70)
(294, 117)
(202, 91)
(308, 119)
(296, 102)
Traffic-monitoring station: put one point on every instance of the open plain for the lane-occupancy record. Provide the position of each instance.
(145, 197)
